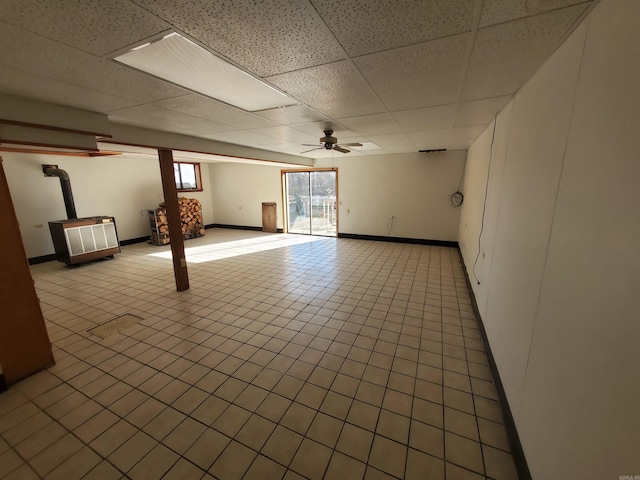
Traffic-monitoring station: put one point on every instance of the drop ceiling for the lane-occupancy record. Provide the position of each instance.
(397, 75)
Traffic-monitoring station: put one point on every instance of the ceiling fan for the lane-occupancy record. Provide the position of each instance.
(329, 142)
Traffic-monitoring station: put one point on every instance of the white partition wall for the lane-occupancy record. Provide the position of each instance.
(557, 263)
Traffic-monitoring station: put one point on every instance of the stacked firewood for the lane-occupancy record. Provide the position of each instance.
(190, 216)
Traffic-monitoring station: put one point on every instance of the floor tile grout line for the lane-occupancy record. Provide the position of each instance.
(480, 442)
(169, 405)
(69, 432)
(359, 292)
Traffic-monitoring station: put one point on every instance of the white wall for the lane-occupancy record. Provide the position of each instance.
(119, 186)
(238, 191)
(559, 266)
(412, 187)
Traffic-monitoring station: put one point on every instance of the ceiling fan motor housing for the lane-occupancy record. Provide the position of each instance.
(328, 140)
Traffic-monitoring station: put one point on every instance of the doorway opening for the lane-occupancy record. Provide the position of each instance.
(311, 202)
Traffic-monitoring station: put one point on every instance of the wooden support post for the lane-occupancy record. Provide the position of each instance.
(173, 219)
(24, 343)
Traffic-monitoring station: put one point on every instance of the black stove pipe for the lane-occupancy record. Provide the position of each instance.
(65, 183)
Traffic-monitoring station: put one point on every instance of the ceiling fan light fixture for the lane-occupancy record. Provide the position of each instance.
(178, 60)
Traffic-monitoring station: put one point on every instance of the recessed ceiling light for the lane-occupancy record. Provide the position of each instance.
(179, 60)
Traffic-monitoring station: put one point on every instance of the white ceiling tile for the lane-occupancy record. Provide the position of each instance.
(506, 55)
(335, 90)
(406, 148)
(479, 112)
(286, 134)
(292, 114)
(500, 11)
(204, 107)
(355, 139)
(291, 148)
(95, 26)
(392, 140)
(266, 37)
(460, 144)
(409, 55)
(377, 124)
(35, 54)
(431, 118)
(463, 137)
(149, 116)
(353, 153)
(314, 128)
(241, 137)
(365, 147)
(338, 156)
(323, 154)
(367, 27)
(420, 75)
(430, 140)
(29, 85)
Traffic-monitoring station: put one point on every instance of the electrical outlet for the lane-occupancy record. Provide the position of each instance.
(38, 225)
(484, 255)
(348, 210)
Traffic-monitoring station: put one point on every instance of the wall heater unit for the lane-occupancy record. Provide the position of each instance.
(81, 240)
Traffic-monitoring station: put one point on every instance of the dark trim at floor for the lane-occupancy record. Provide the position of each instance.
(42, 259)
(237, 227)
(514, 439)
(133, 241)
(3, 384)
(52, 257)
(415, 241)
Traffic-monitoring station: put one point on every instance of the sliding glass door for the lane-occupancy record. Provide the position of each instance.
(298, 196)
(311, 202)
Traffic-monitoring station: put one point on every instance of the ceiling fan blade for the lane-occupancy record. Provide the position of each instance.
(307, 151)
(340, 149)
(311, 145)
(350, 144)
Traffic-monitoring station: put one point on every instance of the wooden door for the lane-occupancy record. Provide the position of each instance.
(24, 342)
(269, 223)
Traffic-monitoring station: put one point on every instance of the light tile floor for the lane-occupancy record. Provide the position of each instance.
(290, 357)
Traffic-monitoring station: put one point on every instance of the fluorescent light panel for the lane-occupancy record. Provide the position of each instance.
(180, 61)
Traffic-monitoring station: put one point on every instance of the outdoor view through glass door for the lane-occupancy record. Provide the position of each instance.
(311, 202)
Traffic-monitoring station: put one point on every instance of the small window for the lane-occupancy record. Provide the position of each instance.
(187, 176)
